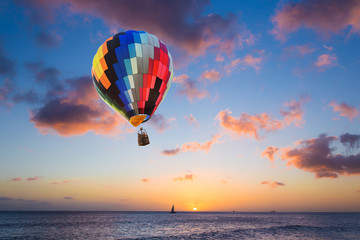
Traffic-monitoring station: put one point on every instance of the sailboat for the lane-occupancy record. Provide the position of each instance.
(172, 209)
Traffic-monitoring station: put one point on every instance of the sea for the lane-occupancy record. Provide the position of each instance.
(181, 225)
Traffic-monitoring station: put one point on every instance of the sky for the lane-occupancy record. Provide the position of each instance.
(263, 112)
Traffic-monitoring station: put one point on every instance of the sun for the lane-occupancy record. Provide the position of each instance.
(194, 209)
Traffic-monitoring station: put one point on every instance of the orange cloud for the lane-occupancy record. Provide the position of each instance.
(193, 146)
(326, 60)
(219, 58)
(211, 75)
(145, 180)
(270, 152)
(189, 88)
(344, 110)
(273, 184)
(320, 15)
(187, 177)
(248, 124)
(160, 122)
(251, 125)
(318, 155)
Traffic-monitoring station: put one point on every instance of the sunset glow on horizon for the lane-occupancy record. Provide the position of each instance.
(263, 112)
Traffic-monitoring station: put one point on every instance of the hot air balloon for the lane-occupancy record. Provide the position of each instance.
(132, 72)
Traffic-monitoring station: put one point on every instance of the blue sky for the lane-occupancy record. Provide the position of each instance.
(256, 84)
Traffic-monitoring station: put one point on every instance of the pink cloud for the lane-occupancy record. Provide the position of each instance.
(219, 58)
(145, 180)
(16, 179)
(252, 125)
(345, 110)
(300, 50)
(328, 47)
(211, 75)
(33, 178)
(187, 177)
(248, 61)
(160, 122)
(193, 146)
(325, 60)
(294, 113)
(273, 184)
(64, 182)
(270, 152)
(189, 88)
(327, 16)
(192, 120)
(317, 155)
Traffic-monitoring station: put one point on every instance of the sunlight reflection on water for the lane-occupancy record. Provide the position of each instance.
(160, 225)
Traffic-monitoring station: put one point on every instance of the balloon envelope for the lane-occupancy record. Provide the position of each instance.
(132, 72)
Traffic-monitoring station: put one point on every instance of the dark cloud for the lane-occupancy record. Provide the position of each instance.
(181, 23)
(68, 198)
(6, 91)
(7, 203)
(7, 66)
(320, 15)
(318, 155)
(350, 140)
(171, 152)
(76, 111)
(48, 39)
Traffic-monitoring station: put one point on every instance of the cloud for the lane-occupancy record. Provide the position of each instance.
(7, 66)
(145, 180)
(68, 198)
(247, 124)
(219, 58)
(48, 39)
(63, 182)
(160, 122)
(345, 110)
(325, 16)
(273, 184)
(189, 88)
(192, 120)
(294, 113)
(187, 177)
(350, 140)
(328, 47)
(16, 179)
(211, 75)
(300, 50)
(75, 110)
(270, 152)
(20, 200)
(252, 125)
(33, 178)
(193, 146)
(248, 61)
(180, 23)
(326, 60)
(317, 155)
(5, 92)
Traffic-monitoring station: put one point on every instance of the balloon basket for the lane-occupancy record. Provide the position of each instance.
(143, 138)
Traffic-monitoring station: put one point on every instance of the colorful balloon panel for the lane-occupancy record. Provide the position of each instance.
(132, 72)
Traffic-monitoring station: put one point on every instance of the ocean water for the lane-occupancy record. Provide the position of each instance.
(161, 225)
